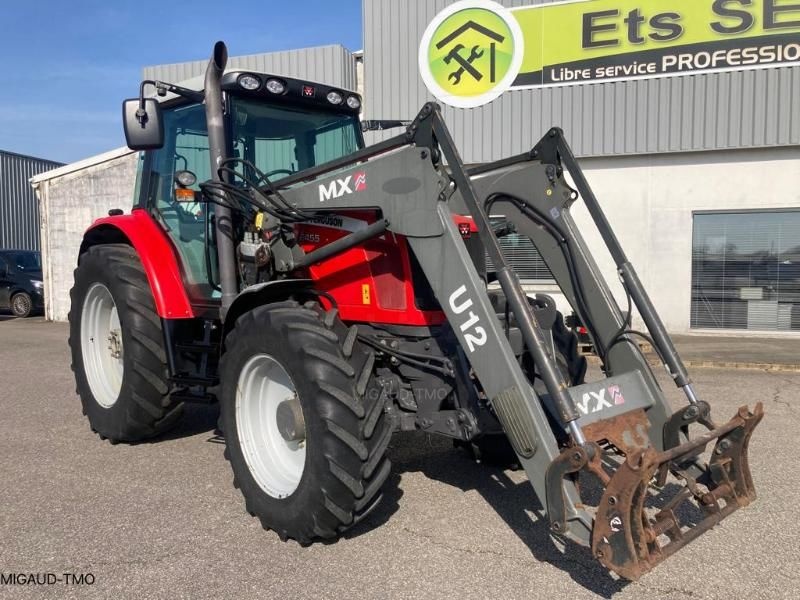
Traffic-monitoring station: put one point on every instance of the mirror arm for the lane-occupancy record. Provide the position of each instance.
(141, 114)
(161, 89)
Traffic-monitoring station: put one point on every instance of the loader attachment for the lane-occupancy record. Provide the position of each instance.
(655, 492)
(655, 495)
(636, 526)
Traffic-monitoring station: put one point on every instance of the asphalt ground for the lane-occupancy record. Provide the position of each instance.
(778, 353)
(162, 520)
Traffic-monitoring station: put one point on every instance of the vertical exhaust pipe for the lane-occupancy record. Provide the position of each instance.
(218, 152)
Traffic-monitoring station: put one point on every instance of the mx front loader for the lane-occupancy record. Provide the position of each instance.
(328, 295)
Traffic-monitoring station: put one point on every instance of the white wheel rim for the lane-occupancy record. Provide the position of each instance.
(101, 345)
(276, 464)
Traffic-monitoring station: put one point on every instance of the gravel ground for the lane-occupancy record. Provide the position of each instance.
(162, 520)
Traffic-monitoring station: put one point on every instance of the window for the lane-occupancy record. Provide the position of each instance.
(185, 149)
(27, 262)
(522, 256)
(281, 140)
(746, 271)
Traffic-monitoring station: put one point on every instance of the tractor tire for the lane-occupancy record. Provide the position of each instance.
(316, 473)
(21, 305)
(117, 345)
(495, 449)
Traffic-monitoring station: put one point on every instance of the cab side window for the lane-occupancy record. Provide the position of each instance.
(188, 223)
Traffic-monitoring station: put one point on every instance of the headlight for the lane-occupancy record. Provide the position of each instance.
(275, 86)
(354, 102)
(38, 285)
(185, 178)
(335, 97)
(249, 82)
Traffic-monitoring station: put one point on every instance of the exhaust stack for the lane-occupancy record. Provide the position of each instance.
(218, 152)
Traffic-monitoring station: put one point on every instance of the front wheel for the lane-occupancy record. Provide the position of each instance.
(21, 305)
(117, 345)
(305, 436)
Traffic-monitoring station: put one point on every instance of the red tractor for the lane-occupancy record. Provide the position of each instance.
(328, 295)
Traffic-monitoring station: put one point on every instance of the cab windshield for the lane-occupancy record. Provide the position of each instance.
(282, 140)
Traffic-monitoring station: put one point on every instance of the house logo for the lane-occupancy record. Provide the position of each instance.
(471, 53)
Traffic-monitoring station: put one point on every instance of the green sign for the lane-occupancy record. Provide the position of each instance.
(471, 52)
(475, 50)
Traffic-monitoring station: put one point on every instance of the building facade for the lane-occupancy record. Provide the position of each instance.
(19, 211)
(698, 174)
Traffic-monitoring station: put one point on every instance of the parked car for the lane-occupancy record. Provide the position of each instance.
(21, 282)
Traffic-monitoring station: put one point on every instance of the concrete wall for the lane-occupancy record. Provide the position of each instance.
(650, 199)
(70, 199)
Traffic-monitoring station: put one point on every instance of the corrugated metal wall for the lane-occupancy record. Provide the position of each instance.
(333, 65)
(696, 112)
(19, 209)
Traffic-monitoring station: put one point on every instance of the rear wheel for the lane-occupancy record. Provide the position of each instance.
(305, 435)
(21, 305)
(117, 347)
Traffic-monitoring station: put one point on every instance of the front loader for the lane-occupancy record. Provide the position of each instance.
(328, 295)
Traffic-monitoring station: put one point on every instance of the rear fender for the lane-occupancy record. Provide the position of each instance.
(156, 253)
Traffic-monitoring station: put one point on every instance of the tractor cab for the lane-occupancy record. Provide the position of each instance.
(276, 126)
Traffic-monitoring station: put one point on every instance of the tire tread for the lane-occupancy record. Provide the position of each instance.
(355, 429)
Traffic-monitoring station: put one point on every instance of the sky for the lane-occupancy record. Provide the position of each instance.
(68, 64)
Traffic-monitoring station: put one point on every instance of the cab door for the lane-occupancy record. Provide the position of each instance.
(188, 224)
(5, 283)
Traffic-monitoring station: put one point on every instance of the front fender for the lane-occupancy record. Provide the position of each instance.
(265, 293)
(156, 252)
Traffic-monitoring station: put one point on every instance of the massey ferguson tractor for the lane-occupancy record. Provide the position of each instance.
(328, 295)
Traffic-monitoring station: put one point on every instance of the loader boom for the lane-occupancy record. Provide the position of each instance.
(408, 183)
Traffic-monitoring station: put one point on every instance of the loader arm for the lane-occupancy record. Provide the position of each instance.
(406, 180)
(621, 429)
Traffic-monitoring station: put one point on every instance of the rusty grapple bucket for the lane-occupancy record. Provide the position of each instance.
(654, 503)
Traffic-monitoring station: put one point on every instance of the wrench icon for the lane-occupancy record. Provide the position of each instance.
(465, 63)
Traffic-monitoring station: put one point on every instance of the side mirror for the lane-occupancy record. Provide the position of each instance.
(144, 129)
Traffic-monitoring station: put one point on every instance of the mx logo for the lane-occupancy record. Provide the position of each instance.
(594, 402)
(361, 182)
(341, 187)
